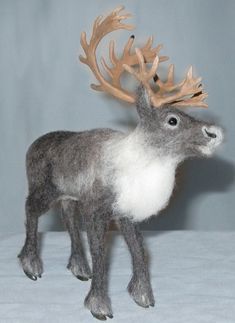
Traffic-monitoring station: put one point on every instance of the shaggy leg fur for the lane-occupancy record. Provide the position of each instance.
(97, 300)
(77, 262)
(139, 287)
(37, 203)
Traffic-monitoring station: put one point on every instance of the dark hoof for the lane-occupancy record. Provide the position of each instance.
(100, 317)
(142, 305)
(152, 304)
(82, 278)
(31, 276)
(110, 316)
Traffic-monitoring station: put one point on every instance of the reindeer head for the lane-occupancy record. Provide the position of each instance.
(172, 132)
(166, 129)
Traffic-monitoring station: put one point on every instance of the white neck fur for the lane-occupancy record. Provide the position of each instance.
(143, 181)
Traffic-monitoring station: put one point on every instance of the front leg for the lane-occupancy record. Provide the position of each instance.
(139, 287)
(97, 300)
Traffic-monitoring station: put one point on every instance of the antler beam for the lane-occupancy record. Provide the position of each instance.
(101, 28)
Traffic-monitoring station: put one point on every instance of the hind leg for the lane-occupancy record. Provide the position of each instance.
(77, 262)
(37, 203)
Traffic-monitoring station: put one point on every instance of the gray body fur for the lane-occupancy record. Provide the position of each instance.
(100, 174)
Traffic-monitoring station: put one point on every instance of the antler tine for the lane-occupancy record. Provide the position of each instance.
(118, 9)
(128, 46)
(169, 85)
(170, 75)
(96, 24)
(83, 41)
(141, 60)
(149, 42)
(154, 51)
(106, 67)
(154, 66)
(112, 55)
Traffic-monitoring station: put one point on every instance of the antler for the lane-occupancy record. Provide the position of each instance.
(189, 92)
(101, 28)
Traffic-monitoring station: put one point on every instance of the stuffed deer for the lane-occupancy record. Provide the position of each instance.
(110, 175)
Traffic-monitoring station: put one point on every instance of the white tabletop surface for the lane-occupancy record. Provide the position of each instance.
(192, 273)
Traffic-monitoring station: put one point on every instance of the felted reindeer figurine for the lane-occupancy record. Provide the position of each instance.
(109, 175)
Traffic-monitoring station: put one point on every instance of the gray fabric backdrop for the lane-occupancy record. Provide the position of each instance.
(44, 88)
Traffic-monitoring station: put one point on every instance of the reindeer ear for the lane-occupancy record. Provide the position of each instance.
(143, 104)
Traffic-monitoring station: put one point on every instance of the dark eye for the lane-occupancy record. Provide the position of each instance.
(172, 121)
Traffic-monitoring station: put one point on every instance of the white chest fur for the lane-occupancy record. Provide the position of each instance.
(143, 183)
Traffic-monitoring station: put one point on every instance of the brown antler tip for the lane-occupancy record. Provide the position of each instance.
(155, 78)
(96, 87)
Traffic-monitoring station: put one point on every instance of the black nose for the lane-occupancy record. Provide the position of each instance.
(210, 134)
